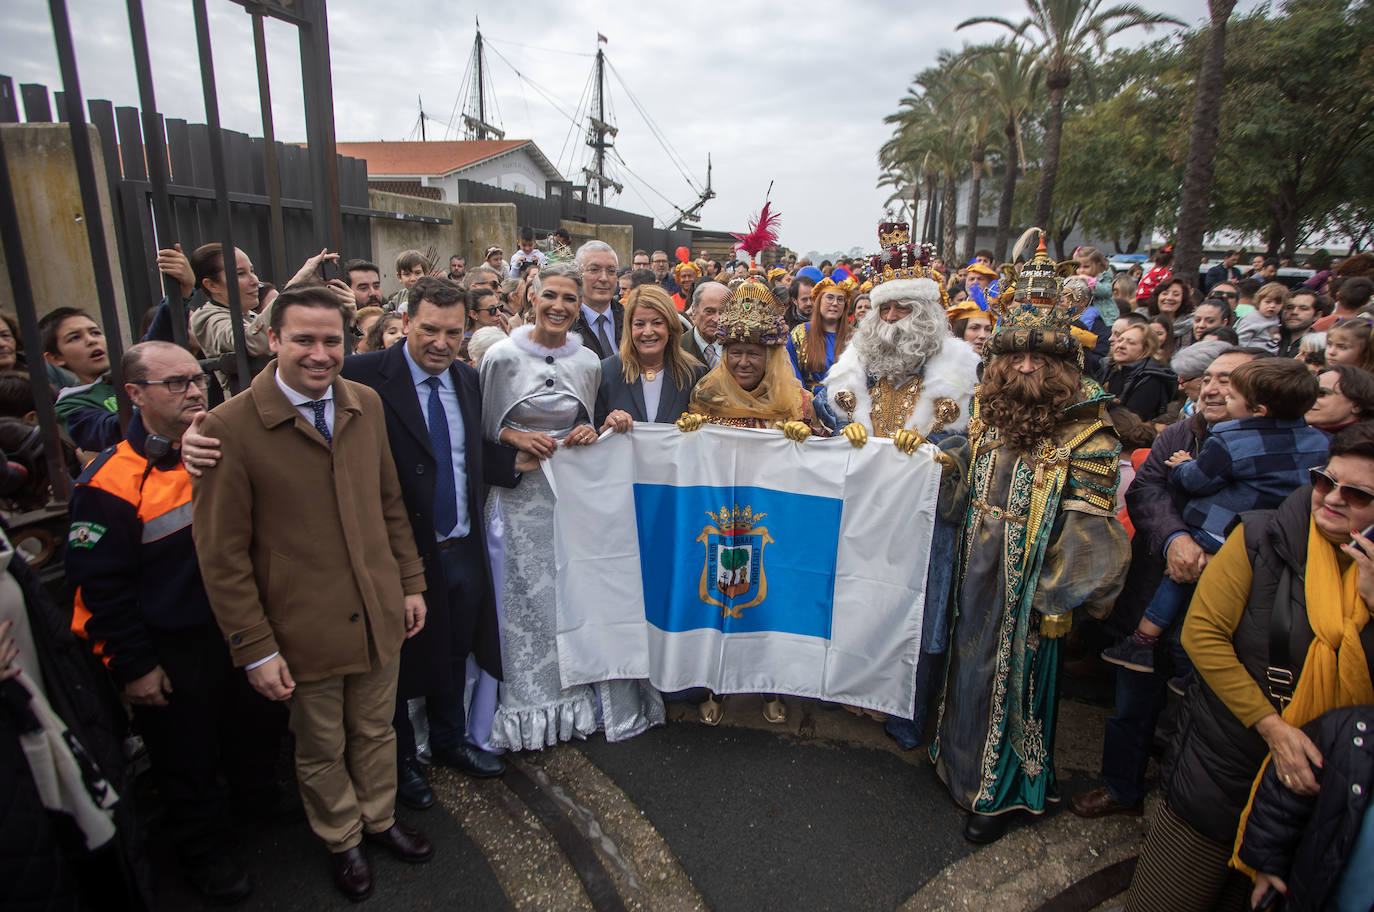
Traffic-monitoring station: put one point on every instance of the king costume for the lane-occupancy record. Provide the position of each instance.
(1039, 538)
(910, 380)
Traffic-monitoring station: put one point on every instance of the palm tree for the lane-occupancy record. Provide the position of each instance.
(1062, 35)
(905, 182)
(921, 135)
(1202, 145)
(1010, 81)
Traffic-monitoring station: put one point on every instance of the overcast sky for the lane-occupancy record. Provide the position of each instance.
(770, 97)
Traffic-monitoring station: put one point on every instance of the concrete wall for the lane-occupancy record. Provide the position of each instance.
(476, 226)
(51, 222)
(620, 237)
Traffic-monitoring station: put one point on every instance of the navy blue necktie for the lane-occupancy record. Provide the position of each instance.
(320, 424)
(445, 491)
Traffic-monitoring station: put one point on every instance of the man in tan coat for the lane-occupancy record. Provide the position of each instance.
(312, 572)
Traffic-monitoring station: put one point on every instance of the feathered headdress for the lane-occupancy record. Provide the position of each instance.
(763, 231)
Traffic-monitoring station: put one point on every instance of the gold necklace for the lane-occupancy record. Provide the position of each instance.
(650, 375)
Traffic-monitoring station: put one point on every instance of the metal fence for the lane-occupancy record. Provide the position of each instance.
(215, 205)
(192, 216)
(545, 213)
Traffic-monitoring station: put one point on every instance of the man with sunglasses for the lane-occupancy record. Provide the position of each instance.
(141, 603)
(1161, 546)
(482, 277)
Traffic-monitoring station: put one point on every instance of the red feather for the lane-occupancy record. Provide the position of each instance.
(762, 234)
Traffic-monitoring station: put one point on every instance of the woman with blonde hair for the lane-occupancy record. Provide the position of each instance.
(651, 377)
(1138, 381)
(538, 393)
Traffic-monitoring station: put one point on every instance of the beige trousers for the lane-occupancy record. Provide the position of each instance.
(346, 754)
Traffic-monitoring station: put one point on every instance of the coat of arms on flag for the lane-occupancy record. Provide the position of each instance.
(732, 576)
(739, 560)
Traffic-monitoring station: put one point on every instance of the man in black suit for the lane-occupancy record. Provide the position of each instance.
(602, 319)
(434, 423)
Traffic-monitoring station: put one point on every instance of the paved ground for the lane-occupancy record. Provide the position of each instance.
(822, 813)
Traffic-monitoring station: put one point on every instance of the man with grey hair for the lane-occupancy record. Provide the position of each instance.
(483, 276)
(700, 340)
(602, 318)
(904, 376)
(1161, 546)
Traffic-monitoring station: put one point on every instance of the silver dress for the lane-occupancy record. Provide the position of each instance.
(533, 709)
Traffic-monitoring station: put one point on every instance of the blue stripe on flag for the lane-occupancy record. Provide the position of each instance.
(708, 564)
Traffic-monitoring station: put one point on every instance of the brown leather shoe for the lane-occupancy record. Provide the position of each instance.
(405, 843)
(1100, 803)
(352, 873)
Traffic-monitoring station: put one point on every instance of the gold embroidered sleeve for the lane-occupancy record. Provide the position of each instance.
(1094, 471)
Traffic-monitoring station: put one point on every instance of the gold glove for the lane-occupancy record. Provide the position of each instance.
(907, 441)
(856, 434)
(795, 430)
(689, 423)
(1054, 626)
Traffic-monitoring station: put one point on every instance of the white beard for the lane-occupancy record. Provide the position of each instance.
(895, 351)
(916, 344)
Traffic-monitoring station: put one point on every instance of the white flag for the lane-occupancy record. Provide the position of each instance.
(742, 561)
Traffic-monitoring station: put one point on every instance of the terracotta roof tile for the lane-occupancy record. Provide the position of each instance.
(425, 158)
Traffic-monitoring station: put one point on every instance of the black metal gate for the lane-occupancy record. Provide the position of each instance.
(189, 183)
(191, 191)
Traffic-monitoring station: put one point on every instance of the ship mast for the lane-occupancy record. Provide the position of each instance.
(597, 132)
(475, 125)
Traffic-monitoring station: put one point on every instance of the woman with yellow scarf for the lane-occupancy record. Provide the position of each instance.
(753, 386)
(1279, 632)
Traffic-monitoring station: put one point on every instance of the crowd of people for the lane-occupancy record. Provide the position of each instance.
(1165, 480)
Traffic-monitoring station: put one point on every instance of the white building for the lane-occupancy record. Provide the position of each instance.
(433, 169)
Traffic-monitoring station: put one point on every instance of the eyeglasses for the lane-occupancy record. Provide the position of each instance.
(489, 311)
(1229, 295)
(176, 385)
(598, 270)
(1324, 484)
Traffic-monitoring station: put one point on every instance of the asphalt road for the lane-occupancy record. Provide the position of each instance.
(821, 814)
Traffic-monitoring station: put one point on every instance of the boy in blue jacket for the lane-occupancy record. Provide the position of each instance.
(1249, 463)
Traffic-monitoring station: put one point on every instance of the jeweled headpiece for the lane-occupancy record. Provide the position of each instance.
(840, 281)
(752, 314)
(902, 262)
(1038, 305)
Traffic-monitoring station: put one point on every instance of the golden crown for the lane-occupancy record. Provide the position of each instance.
(891, 234)
(899, 258)
(733, 519)
(1041, 294)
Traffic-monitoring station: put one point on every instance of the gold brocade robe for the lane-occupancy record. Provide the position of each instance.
(1040, 537)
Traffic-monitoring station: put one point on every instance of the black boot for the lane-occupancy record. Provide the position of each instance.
(986, 828)
(412, 789)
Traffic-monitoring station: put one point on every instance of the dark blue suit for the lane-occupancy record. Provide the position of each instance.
(614, 393)
(461, 610)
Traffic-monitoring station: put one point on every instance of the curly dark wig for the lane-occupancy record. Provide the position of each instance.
(1027, 408)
